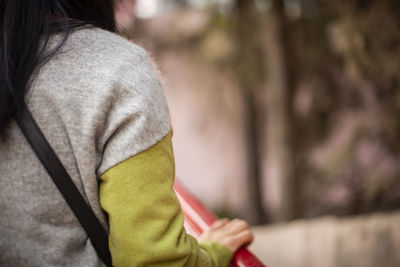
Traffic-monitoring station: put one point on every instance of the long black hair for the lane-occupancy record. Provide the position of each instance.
(25, 29)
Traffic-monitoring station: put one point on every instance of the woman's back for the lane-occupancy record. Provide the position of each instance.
(98, 102)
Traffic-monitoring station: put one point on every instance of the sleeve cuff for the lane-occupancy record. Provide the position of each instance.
(220, 254)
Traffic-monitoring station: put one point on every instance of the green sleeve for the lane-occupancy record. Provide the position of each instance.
(145, 218)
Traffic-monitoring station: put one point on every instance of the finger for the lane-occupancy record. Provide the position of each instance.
(236, 226)
(245, 237)
(219, 223)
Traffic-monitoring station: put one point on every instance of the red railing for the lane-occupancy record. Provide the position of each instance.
(198, 219)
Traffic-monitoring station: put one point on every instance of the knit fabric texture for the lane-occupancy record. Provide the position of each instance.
(98, 102)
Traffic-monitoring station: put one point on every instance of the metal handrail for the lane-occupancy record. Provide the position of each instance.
(198, 219)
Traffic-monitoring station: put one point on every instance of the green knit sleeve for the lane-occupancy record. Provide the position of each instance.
(145, 218)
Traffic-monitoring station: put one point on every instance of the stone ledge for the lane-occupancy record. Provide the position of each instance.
(364, 241)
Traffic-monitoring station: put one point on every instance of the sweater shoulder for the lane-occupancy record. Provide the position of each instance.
(98, 63)
(99, 42)
(104, 87)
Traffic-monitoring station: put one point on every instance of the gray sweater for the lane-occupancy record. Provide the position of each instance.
(98, 102)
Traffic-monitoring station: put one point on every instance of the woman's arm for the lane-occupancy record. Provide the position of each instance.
(145, 218)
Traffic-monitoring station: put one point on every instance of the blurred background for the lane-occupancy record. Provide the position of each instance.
(286, 113)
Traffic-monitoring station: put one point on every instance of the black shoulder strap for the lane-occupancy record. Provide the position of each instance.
(65, 185)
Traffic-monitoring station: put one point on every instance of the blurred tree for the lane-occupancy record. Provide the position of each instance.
(321, 97)
(279, 87)
(247, 67)
(182, 3)
(348, 63)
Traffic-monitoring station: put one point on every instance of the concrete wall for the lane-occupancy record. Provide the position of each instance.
(362, 241)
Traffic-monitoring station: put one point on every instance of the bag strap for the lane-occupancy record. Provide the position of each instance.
(64, 183)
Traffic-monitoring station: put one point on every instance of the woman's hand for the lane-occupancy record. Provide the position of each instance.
(232, 234)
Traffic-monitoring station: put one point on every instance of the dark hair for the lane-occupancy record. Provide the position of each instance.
(25, 29)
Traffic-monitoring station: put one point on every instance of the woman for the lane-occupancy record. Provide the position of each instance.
(100, 105)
